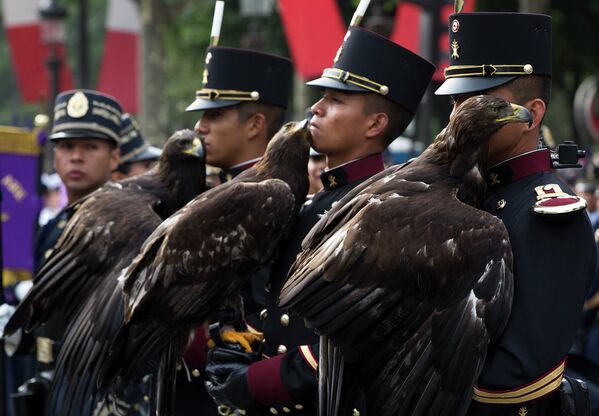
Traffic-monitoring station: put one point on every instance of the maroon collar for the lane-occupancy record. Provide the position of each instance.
(519, 167)
(352, 171)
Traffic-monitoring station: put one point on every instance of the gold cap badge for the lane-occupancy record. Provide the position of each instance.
(78, 105)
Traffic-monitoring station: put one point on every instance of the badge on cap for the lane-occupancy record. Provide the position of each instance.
(454, 49)
(208, 57)
(205, 77)
(455, 26)
(78, 105)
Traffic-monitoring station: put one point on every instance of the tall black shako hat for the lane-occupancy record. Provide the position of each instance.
(86, 114)
(232, 76)
(487, 50)
(134, 147)
(369, 62)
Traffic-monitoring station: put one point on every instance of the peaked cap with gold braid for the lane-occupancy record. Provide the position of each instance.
(232, 76)
(367, 62)
(487, 50)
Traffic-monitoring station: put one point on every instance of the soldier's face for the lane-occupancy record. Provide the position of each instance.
(84, 164)
(223, 136)
(339, 125)
(508, 141)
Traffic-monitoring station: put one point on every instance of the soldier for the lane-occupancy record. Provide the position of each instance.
(369, 97)
(137, 156)
(509, 55)
(244, 98)
(85, 137)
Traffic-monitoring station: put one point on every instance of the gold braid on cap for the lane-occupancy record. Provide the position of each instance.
(214, 94)
(350, 78)
(487, 70)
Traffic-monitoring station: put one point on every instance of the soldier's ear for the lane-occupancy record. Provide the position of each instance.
(377, 123)
(115, 158)
(256, 126)
(537, 109)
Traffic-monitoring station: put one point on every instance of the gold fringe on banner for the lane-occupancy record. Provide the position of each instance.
(18, 141)
(11, 277)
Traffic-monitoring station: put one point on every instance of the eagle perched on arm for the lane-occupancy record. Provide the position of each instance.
(198, 259)
(109, 225)
(407, 280)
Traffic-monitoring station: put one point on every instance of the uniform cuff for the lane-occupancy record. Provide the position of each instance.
(195, 355)
(265, 384)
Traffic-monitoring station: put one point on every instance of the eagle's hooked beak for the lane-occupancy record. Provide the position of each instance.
(519, 115)
(196, 149)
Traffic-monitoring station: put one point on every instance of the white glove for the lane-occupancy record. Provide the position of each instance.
(11, 343)
(22, 288)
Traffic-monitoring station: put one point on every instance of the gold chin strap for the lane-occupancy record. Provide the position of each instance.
(350, 78)
(234, 95)
(487, 70)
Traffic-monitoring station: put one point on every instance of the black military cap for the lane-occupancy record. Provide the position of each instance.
(369, 62)
(133, 146)
(232, 76)
(86, 114)
(487, 50)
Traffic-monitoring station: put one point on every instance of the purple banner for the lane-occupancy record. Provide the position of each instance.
(20, 206)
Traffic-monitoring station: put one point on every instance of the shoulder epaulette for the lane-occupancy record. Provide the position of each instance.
(552, 201)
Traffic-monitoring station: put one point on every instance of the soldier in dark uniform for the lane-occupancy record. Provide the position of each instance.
(85, 137)
(137, 155)
(370, 95)
(509, 55)
(244, 98)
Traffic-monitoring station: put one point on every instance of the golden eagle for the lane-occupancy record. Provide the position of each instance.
(108, 229)
(198, 259)
(406, 280)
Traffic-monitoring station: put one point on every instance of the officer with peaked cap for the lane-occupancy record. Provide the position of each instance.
(509, 55)
(370, 95)
(137, 155)
(85, 136)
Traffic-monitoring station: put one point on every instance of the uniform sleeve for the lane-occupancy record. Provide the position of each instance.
(287, 382)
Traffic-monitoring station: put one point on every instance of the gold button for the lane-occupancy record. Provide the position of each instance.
(299, 407)
(273, 411)
(501, 204)
(528, 69)
(286, 410)
(284, 319)
(61, 224)
(146, 398)
(281, 349)
(356, 412)
(263, 315)
(179, 366)
(195, 372)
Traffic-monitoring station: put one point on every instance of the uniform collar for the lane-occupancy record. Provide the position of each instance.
(352, 171)
(519, 167)
(227, 174)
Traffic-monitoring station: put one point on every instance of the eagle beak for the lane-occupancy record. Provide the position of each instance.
(519, 115)
(196, 149)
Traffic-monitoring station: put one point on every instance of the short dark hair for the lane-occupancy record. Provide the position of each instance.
(275, 115)
(399, 117)
(526, 88)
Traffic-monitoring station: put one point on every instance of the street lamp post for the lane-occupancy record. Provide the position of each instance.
(53, 34)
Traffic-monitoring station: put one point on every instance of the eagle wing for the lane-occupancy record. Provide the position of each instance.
(104, 226)
(410, 284)
(196, 260)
